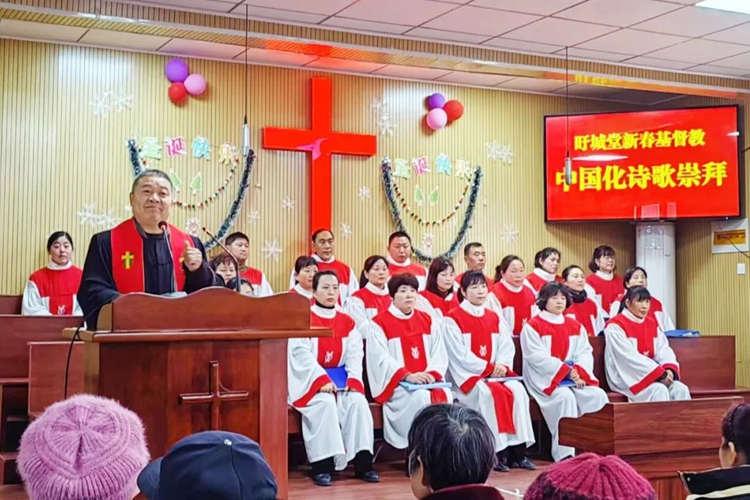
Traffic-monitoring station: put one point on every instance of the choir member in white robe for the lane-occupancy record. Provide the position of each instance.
(480, 346)
(582, 308)
(512, 296)
(405, 345)
(636, 276)
(438, 297)
(399, 258)
(546, 264)
(638, 360)
(372, 297)
(475, 257)
(603, 285)
(239, 245)
(337, 424)
(52, 290)
(556, 351)
(305, 269)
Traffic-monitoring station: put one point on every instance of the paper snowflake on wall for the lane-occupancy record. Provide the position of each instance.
(497, 151)
(88, 216)
(253, 217)
(287, 203)
(509, 234)
(271, 250)
(346, 230)
(111, 101)
(364, 193)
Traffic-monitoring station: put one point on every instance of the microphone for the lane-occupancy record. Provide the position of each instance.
(167, 236)
(238, 285)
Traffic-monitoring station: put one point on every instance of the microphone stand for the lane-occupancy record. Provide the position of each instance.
(167, 236)
(237, 285)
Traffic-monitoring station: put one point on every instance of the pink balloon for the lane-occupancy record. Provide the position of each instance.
(437, 119)
(195, 84)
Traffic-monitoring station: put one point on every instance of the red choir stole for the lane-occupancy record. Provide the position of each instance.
(331, 349)
(439, 303)
(481, 330)
(656, 306)
(608, 289)
(583, 312)
(372, 300)
(343, 271)
(644, 333)
(60, 286)
(522, 303)
(537, 282)
(254, 276)
(490, 281)
(412, 268)
(128, 259)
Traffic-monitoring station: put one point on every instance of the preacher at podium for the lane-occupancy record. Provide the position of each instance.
(143, 254)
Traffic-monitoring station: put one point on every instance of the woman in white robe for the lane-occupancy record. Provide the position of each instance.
(637, 276)
(583, 307)
(638, 360)
(337, 425)
(480, 347)
(405, 345)
(558, 365)
(305, 268)
(372, 297)
(438, 297)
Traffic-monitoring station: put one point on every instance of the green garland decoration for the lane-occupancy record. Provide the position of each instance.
(392, 196)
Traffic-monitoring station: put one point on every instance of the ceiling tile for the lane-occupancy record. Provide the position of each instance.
(629, 41)
(507, 43)
(540, 7)
(345, 65)
(411, 72)
(559, 32)
(446, 35)
(464, 78)
(201, 49)
(532, 84)
(739, 34)
(358, 25)
(719, 70)
(278, 15)
(123, 40)
(275, 57)
(653, 62)
(741, 61)
(645, 98)
(585, 90)
(693, 22)
(40, 31)
(699, 51)
(617, 13)
(481, 21)
(202, 5)
(594, 54)
(327, 7)
(413, 12)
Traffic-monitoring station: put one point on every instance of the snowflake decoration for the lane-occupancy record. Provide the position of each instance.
(497, 151)
(87, 217)
(253, 217)
(364, 192)
(109, 219)
(193, 227)
(271, 250)
(428, 241)
(102, 105)
(128, 210)
(287, 203)
(509, 234)
(346, 230)
(121, 100)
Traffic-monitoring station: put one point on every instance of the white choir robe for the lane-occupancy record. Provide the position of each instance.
(365, 304)
(515, 300)
(656, 311)
(477, 340)
(397, 346)
(436, 306)
(395, 268)
(548, 341)
(333, 425)
(348, 282)
(636, 354)
(589, 314)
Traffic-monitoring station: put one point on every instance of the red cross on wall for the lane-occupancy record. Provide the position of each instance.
(322, 142)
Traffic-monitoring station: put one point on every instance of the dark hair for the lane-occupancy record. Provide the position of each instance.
(735, 428)
(150, 173)
(436, 267)
(398, 234)
(634, 294)
(233, 283)
(320, 274)
(57, 235)
(505, 264)
(629, 272)
(369, 263)
(599, 252)
(470, 278)
(222, 258)
(318, 231)
(544, 254)
(235, 237)
(454, 444)
(551, 290)
(566, 272)
(468, 247)
(302, 262)
(403, 279)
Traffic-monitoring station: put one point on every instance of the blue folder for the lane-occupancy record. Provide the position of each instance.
(338, 376)
(566, 382)
(416, 387)
(682, 333)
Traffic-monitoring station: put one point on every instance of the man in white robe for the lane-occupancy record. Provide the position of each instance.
(337, 424)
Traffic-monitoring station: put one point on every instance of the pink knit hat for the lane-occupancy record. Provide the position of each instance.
(85, 447)
(590, 477)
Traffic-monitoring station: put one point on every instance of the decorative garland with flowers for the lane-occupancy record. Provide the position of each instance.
(394, 198)
(244, 185)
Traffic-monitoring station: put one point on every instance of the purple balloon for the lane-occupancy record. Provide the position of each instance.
(176, 71)
(436, 101)
(437, 118)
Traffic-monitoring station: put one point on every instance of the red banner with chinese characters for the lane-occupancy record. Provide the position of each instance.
(643, 165)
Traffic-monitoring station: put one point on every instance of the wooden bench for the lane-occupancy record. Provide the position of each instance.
(10, 304)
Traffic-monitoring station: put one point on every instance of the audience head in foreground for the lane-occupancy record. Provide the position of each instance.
(213, 464)
(83, 448)
(451, 454)
(590, 477)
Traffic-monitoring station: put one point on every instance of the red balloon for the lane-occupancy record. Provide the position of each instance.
(454, 110)
(177, 92)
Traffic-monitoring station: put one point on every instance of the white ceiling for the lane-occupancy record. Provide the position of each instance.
(664, 34)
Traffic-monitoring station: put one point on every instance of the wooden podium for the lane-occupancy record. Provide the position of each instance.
(214, 360)
(657, 439)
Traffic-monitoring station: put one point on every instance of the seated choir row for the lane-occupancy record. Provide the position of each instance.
(463, 352)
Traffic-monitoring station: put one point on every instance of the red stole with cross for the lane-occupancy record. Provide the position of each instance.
(128, 259)
(644, 333)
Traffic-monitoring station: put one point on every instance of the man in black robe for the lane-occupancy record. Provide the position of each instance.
(136, 255)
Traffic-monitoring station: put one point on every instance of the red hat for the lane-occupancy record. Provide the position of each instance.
(590, 477)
